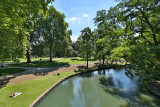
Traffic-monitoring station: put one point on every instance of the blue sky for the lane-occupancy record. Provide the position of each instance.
(80, 13)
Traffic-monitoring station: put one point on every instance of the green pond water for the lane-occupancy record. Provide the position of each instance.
(105, 88)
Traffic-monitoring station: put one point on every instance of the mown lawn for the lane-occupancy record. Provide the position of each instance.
(9, 71)
(30, 89)
(25, 60)
(55, 63)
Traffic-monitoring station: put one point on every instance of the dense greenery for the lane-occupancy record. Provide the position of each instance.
(15, 21)
(32, 28)
(129, 32)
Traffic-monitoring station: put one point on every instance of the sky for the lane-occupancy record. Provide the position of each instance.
(80, 13)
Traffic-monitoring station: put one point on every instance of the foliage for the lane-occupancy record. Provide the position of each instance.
(15, 24)
(129, 31)
(85, 43)
(54, 30)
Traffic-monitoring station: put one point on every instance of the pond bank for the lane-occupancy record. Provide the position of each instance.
(80, 71)
(107, 86)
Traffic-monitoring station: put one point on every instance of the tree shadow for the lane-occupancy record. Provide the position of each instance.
(74, 59)
(38, 71)
(40, 64)
(4, 81)
(88, 59)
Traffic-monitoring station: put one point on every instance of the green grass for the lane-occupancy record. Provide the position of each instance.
(55, 63)
(9, 71)
(25, 60)
(33, 59)
(30, 89)
(39, 64)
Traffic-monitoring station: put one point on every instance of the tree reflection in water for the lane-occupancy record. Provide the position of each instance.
(120, 84)
(98, 89)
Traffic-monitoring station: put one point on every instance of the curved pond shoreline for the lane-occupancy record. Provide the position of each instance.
(42, 96)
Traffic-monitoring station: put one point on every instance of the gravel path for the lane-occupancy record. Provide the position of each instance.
(33, 73)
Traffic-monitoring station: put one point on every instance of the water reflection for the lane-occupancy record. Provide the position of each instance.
(98, 89)
(116, 82)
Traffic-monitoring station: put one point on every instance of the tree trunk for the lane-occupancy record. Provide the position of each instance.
(28, 56)
(50, 53)
(125, 62)
(87, 59)
(158, 56)
(103, 59)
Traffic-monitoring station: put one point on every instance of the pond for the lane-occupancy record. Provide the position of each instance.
(104, 88)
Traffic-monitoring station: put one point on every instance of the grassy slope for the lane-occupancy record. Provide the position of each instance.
(60, 62)
(9, 71)
(30, 89)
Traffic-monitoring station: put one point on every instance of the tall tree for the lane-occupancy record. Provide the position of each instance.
(131, 29)
(15, 24)
(54, 29)
(107, 32)
(85, 42)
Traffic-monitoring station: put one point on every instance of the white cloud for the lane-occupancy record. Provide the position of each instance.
(75, 19)
(85, 15)
(74, 37)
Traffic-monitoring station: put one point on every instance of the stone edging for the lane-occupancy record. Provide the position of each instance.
(43, 95)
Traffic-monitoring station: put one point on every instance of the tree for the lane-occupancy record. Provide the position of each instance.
(36, 40)
(141, 25)
(108, 32)
(85, 42)
(54, 29)
(69, 34)
(15, 24)
(131, 32)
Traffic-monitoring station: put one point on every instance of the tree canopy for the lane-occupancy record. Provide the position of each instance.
(15, 21)
(129, 31)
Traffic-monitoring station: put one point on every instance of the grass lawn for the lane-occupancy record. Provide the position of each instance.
(55, 63)
(30, 89)
(9, 71)
(25, 60)
(33, 59)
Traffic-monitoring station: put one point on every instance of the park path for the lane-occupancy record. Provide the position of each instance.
(34, 72)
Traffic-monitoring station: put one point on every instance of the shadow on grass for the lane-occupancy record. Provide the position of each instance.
(40, 64)
(84, 59)
(42, 68)
(9, 71)
(3, 82)
(74, 59)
